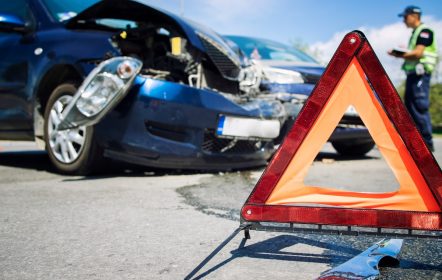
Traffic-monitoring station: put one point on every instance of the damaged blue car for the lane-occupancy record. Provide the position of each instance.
(289, 75)
(90, 80)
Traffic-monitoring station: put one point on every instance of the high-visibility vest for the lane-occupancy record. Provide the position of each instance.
(429, 58)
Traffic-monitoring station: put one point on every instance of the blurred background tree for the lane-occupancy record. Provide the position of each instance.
(435, 104)
(305, 47)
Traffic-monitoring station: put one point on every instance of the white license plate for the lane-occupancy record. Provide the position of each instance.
(247, 127)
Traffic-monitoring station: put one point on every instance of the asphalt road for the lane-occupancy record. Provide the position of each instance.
(157, 224)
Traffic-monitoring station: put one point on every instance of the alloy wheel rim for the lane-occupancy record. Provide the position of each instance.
(66, 145)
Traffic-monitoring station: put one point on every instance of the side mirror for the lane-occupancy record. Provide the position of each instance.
(12, 23)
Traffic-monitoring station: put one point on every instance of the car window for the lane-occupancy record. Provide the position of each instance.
(117, 23)
(64, 10)
(270, 50)
(17, 8)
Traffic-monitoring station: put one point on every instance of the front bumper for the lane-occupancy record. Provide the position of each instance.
(170, 125)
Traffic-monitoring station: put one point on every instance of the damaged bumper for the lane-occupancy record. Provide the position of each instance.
(166, 124)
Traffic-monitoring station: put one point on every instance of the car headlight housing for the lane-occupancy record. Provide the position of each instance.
(100, 92)
(282, 76)
(107, 82)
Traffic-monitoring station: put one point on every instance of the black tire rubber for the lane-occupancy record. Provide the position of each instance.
(352, 149)
(91, 154)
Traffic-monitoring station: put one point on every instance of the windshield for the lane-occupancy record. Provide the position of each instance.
(270, 50)
(64, 10)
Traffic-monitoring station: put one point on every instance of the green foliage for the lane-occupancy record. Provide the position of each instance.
(436, 105)
(300, 45)
(401, 89)
(435, 102)
(305, 47)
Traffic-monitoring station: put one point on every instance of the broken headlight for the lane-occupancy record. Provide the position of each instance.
(106, 83)
(98, 94)
(102, 90)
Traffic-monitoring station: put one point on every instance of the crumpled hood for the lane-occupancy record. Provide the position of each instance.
(137, 11)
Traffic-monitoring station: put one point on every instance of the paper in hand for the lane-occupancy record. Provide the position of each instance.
(399, 51)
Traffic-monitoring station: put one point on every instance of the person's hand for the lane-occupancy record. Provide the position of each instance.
(390, 52)
(395, 54)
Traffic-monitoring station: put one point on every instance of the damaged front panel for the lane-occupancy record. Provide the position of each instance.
(171, 48)
(178, 51)
(186, 71)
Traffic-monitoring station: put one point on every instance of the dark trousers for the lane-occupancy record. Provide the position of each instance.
(417, 101)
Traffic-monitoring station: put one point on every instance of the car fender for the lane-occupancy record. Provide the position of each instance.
(75, 56)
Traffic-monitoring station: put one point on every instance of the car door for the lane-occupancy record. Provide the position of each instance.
(15, 51)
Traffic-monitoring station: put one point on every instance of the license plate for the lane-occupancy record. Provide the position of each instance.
(248, 127)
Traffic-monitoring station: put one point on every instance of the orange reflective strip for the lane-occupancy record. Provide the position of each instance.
(413, 193)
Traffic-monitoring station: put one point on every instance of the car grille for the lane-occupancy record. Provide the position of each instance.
(226, 65)
(213, 144)
(172, 132)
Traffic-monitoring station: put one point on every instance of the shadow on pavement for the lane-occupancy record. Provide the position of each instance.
(273, 248)
(276, 248)
(38, 160)
(34, 159)
(337, 157)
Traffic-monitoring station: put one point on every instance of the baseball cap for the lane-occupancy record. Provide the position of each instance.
(410, 10)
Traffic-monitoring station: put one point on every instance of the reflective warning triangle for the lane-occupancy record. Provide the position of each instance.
(354, 77)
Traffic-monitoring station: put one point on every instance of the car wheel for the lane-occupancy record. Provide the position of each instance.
(72, 151)
(352, 149)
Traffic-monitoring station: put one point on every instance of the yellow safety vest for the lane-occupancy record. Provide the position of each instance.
(429, 58)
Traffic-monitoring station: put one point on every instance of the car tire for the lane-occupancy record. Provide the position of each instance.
(352, 149)
(72, 151)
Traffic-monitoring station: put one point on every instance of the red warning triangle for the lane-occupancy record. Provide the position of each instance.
(354, 77)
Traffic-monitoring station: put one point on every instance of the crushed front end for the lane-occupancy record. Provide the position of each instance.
(194, 103)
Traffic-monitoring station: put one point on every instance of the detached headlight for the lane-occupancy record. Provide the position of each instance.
(100, 92)
(105, 83)
(282, 76)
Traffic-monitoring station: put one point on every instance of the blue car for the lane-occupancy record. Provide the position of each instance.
(90, 80)
(290, 75)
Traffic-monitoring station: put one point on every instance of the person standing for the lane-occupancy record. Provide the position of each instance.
(420, 60)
